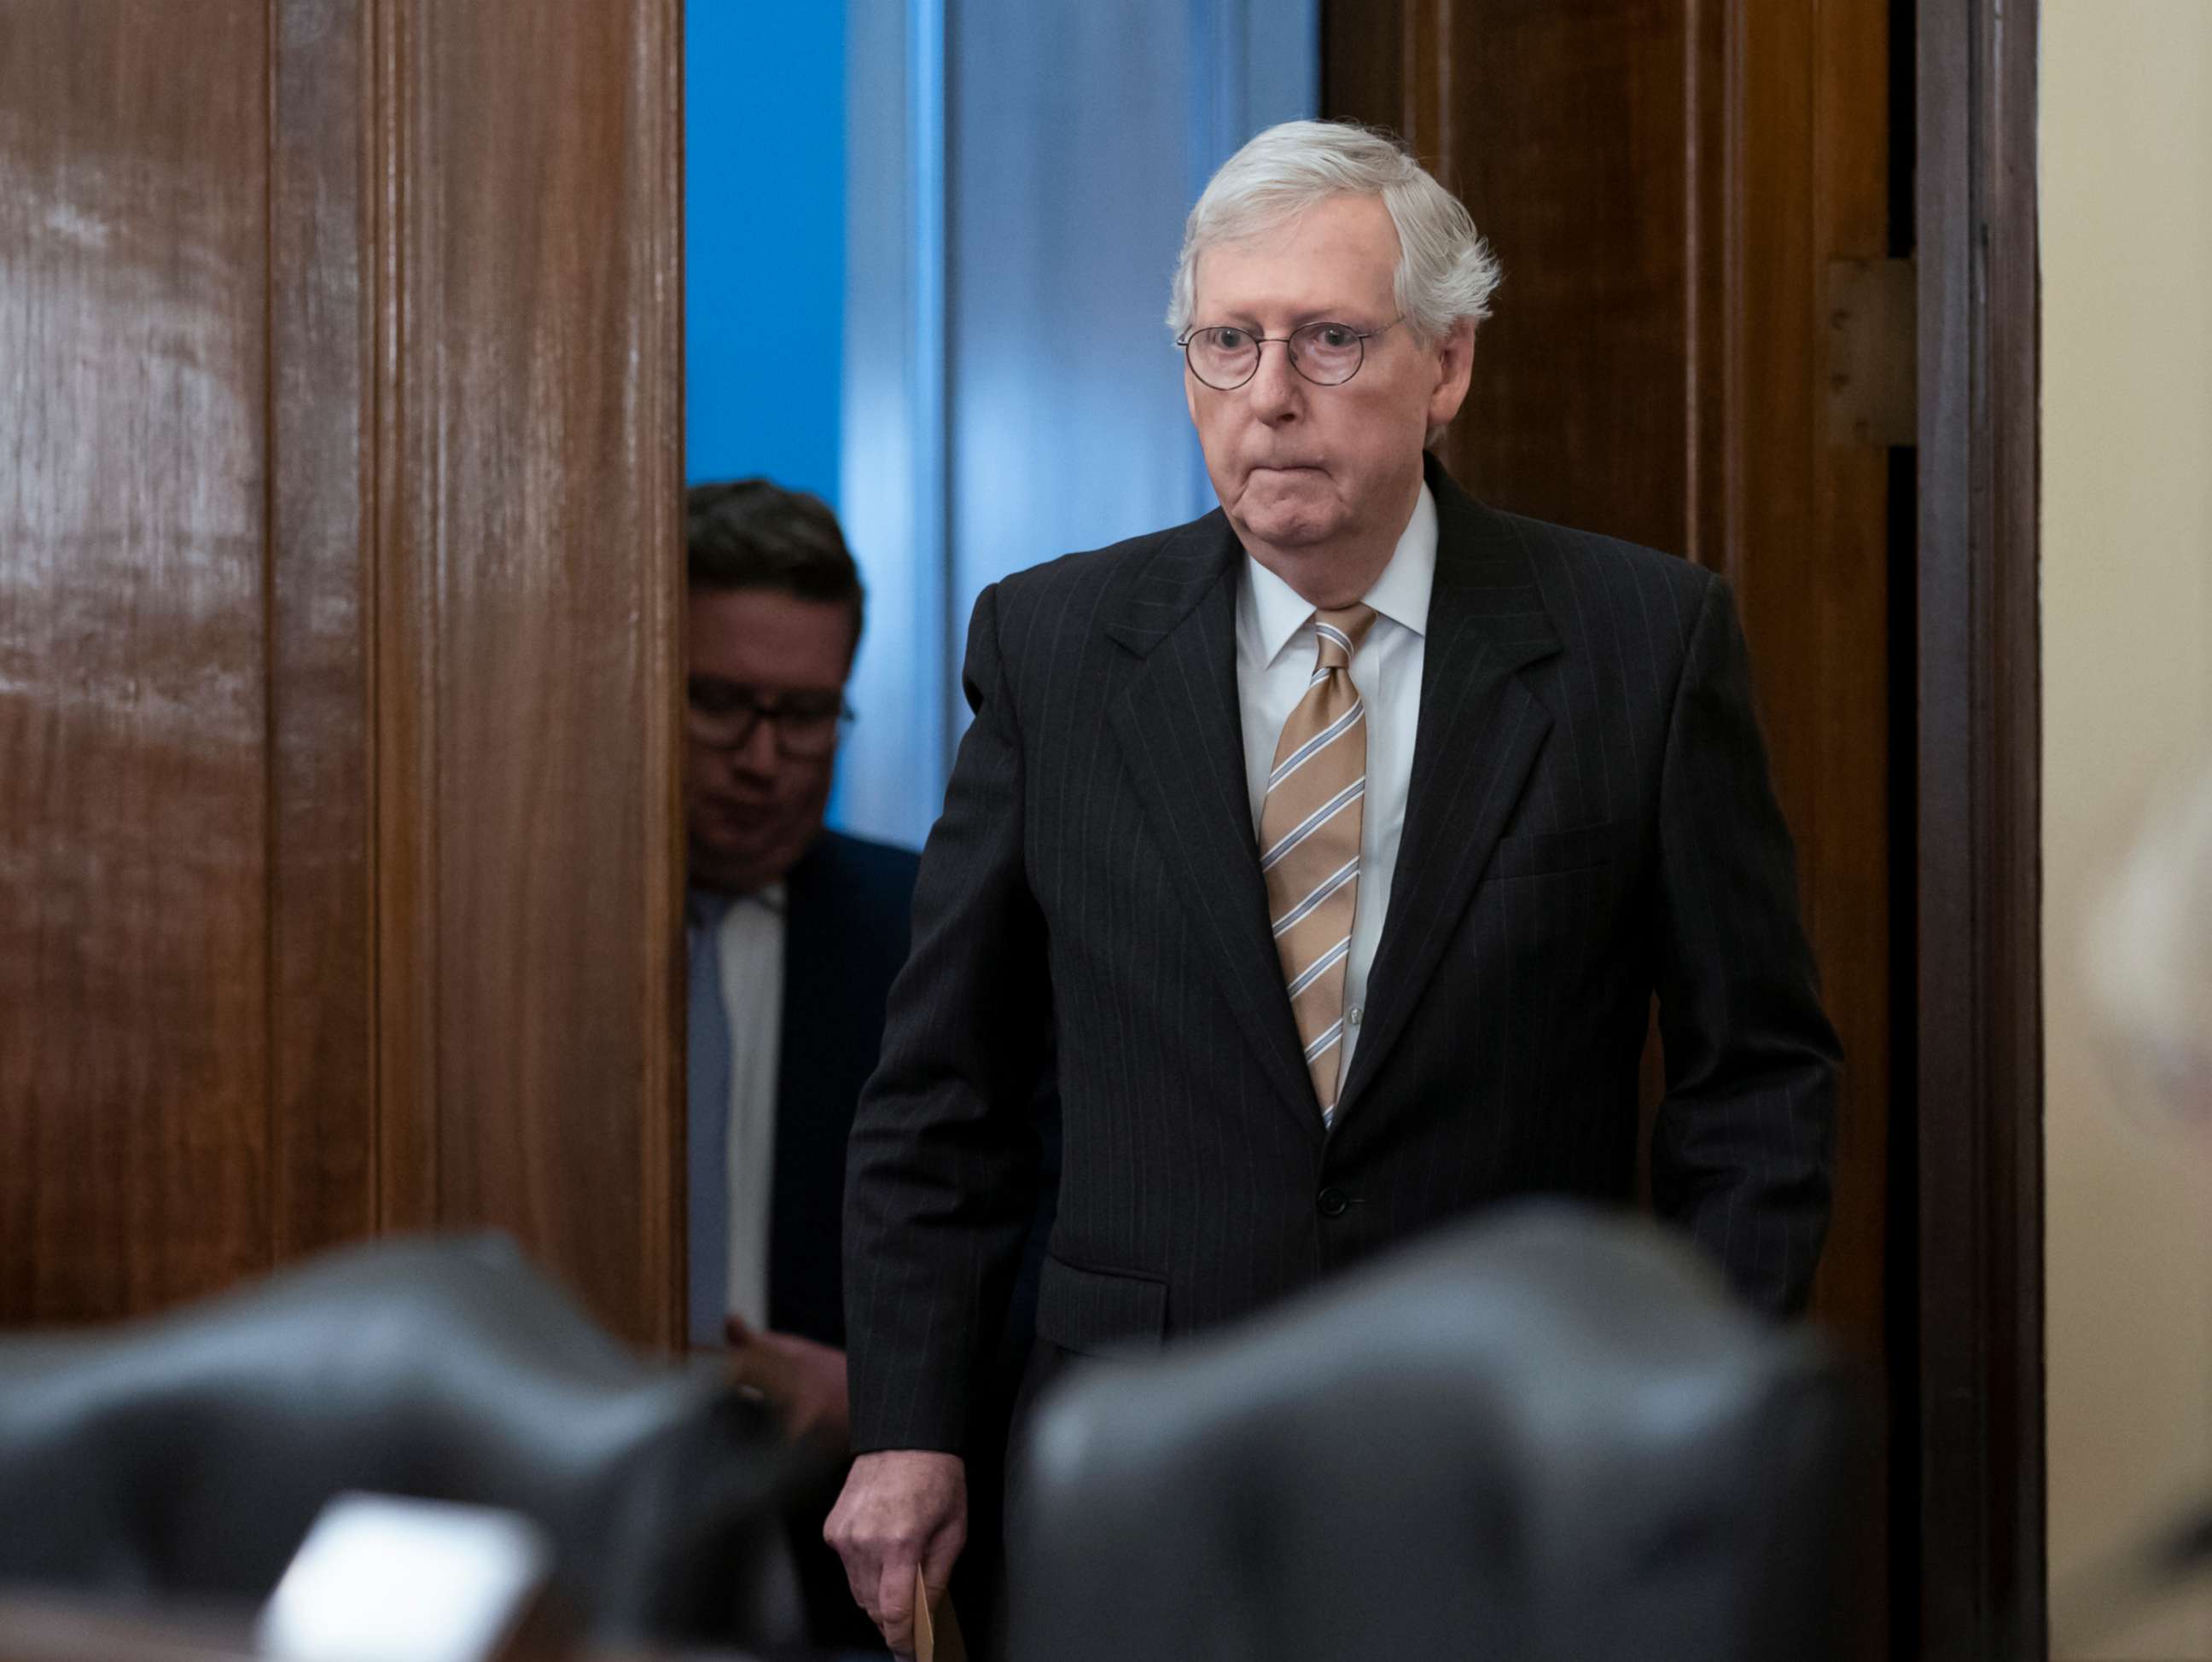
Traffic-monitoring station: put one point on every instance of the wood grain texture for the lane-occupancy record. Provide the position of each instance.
(340, 364)
(1562, 128)
(1806, 542)
(1807, 549)
(529, 878)
(1978, 1002)
(321, 405)
(135, 1141)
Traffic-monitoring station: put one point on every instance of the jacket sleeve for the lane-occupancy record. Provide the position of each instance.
(1741, 1147)
(942, 1180)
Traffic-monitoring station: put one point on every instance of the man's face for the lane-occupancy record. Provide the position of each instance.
(750, 809)
(1306, 472)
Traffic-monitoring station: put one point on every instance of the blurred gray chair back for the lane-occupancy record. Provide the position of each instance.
(185, 1456)
(1551, 1436)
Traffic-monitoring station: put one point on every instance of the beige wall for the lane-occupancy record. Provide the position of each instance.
(2126, 161)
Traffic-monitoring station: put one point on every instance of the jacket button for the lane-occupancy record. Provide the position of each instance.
(1333, 1201)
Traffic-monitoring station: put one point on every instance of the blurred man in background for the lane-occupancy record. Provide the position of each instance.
(795, 932)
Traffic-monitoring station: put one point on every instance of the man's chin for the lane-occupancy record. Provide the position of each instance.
(1292, 524)
(741, 870)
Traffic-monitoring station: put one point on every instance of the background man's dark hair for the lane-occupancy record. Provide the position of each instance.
(754, 534)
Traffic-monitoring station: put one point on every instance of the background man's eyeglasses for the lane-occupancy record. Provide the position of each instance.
(1225, 357)
(722, 715)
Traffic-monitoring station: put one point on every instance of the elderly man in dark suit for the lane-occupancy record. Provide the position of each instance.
(1340, 840)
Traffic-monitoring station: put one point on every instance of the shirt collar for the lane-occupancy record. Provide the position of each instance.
(1270, 612)
(705, 909)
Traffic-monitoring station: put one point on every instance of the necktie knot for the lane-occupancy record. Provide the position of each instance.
(1338, 632)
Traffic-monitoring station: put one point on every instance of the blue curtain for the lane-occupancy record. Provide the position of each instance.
(1017, 179)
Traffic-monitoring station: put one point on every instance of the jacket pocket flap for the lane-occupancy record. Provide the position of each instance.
(1099, 1312)
(1577, 849)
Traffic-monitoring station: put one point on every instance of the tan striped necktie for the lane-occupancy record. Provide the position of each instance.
(1309, 843)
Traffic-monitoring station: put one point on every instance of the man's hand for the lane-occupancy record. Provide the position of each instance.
(901, 1507)
(804, 1380)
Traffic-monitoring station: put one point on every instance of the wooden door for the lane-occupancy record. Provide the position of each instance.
(1703, 343)
(340, 454)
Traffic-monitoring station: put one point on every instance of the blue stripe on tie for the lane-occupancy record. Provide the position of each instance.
(1321, 1046)
(1336, 880)
(1314, 821)
(1320, 966)
(1320, 741)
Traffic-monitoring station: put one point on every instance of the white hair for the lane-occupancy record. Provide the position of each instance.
(1446, 272)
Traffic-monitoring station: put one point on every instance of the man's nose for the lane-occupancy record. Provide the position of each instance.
(757, 756)
(1275, 392)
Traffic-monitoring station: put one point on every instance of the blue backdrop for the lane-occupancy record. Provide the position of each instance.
(928, 246)
(764, 235)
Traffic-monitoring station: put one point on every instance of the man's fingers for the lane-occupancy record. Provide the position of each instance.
(893, 1609)
(755, 1362)
(941, 1552)
(750, 1368)
(861, 1580)
(901, 1509)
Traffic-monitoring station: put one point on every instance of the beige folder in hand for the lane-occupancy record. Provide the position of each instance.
(936, 1631)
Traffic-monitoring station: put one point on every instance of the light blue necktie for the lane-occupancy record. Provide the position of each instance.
(709, 1118)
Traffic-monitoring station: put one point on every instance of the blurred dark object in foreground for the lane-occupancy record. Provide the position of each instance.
(1548, 1435)
(2101, 1602)
(45, 1629)
(184, 1457)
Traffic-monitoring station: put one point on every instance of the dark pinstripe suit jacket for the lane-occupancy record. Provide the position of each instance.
(1589, 820)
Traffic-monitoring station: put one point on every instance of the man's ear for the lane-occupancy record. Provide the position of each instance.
(1454, 361)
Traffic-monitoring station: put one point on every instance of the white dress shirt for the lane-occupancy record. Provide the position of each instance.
(1275, 657)
(750, 946)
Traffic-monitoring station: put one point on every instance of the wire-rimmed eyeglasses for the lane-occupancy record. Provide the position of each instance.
(722, 715)
(1224, 356)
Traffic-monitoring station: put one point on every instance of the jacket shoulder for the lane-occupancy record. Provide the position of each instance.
(1592, 553)
(858, 864)
(1593, 586)
(1094, 573)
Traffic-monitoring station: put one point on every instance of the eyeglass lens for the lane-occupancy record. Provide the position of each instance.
(1224, 356)
(723, 715)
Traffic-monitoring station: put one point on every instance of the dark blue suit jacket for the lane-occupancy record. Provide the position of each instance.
(845, 937)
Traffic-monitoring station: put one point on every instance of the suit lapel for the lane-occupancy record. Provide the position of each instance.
(1478, 734)
(807, 945)
(1177, 723)
(800, 1044)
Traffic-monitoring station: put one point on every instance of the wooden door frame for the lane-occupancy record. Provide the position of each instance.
(1978, 1026)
